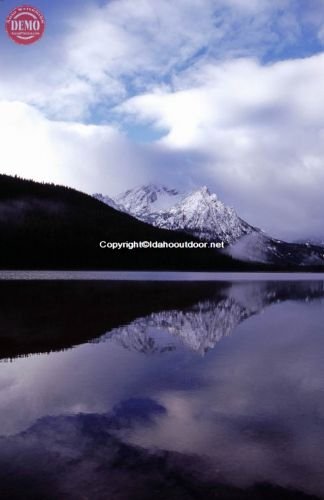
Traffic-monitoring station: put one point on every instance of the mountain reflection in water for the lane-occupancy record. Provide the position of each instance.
(172, 390)
(204, 324)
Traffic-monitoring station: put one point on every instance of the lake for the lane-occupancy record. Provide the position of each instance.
(161, 387)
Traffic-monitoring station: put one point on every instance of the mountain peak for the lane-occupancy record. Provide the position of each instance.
(204, 191)
(146, 199)
(149, 188)
(203, 194)
(199, 213)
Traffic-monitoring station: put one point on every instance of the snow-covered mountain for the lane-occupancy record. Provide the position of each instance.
(201, 214)
(141, 202)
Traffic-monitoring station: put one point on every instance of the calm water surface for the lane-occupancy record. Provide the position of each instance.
(192, 390)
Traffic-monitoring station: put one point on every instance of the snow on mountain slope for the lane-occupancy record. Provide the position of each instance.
(141, 202)
(201, 214)
(108, 201)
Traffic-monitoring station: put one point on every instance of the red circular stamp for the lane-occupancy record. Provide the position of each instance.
(25, 24)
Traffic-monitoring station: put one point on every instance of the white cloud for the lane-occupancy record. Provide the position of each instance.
(104, 53)
(86, 157)
(261, 130)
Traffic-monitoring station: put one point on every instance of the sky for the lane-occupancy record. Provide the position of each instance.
(223, 93)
